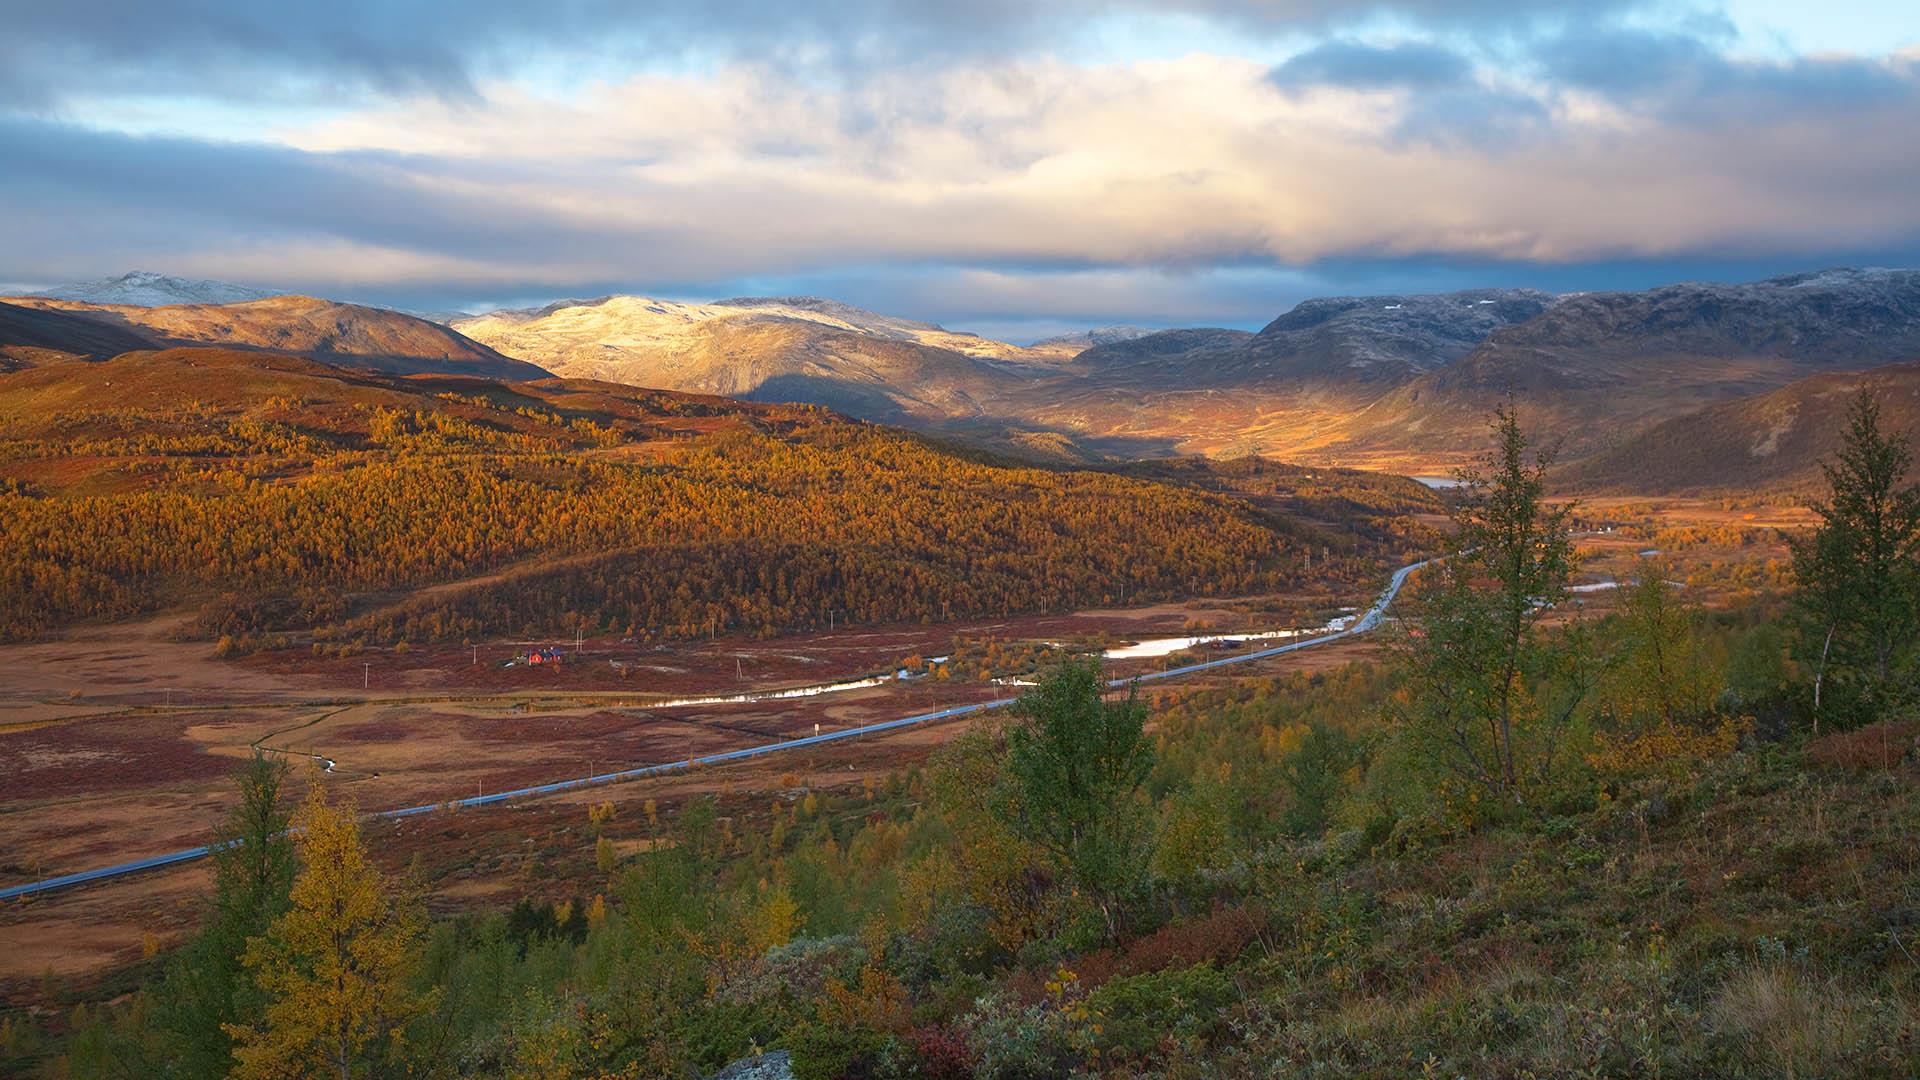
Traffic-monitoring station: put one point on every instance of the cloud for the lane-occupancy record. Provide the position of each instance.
(981, 182)
(1683, 78)
(115, 189)
(1359, 66)
(972, 297)
(355, 50)
(1173, 164)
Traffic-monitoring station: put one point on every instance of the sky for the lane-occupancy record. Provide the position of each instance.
(1001, 166)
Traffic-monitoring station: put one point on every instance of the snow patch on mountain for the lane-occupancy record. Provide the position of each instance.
(1099, 335)
(564, 333)
(143, 288)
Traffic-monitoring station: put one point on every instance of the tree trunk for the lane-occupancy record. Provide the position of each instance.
(1818, 675)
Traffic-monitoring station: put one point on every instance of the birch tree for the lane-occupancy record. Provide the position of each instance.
(1489, 695)
(1858, 576)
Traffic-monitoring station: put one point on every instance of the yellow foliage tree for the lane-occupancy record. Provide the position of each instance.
(775, 918)
(335, 966)
(1660, 677)
(875, 1002)
(1657, 703)
(1193, 835)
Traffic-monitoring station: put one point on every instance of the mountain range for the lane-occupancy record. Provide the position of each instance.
(1396, 383)
(1399, 382)
(1407, 382)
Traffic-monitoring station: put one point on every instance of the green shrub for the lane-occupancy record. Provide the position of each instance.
(1135, 1014)
(1021, 1042)
(835, 1052)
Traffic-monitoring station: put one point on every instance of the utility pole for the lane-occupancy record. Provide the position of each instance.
(476, 656)
(366, 676)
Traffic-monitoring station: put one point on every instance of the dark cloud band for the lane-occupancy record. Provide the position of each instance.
(345, 49)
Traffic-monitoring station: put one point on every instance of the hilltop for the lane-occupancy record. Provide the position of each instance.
(31, 336)
(1281, 391)
(1598, 367)
(1397, 383)
(769, 348)
(345, 334)
(1082, 340)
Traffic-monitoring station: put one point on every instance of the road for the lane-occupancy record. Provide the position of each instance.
(1366, 623)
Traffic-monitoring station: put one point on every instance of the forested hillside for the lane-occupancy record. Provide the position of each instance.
(272, 491)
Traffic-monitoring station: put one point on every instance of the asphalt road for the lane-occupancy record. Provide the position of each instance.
(1365, 623)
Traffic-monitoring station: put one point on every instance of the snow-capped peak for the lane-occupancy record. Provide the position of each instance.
(143, 288)
(1099, 335)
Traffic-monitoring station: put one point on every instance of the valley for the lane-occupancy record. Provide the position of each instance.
(892, 541)
(121, 738)
(113, 727)
(633, 530)
(179, 592)
(539, 624)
